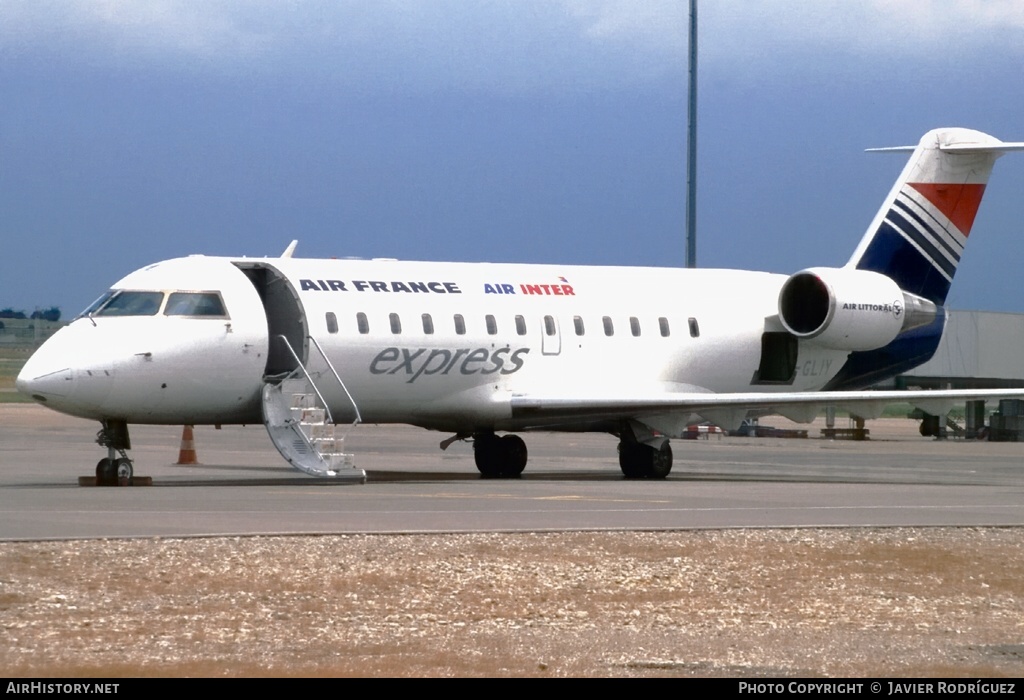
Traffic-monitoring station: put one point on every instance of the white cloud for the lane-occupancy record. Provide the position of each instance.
(923, 28)
(653, 23)
(515, 43)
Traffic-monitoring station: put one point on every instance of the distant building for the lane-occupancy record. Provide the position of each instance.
(978, 350)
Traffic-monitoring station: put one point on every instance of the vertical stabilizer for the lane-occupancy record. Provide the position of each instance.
(919, 234)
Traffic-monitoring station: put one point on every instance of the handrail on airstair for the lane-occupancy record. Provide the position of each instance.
(359, 417)
(327, 409)
(341, 383)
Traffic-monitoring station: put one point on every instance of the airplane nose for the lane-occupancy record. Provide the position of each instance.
(42, 387)
(71, 372)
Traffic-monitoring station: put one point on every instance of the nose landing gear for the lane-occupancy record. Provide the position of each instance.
(113, 470)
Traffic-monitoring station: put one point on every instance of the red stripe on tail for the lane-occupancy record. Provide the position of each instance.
(958, 202)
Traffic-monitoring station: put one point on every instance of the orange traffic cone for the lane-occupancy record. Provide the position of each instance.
(187, 453)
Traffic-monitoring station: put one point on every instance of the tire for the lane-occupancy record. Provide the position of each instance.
(106, 472)
(631, 460)
(513, 456)
(660, 461)
(499, 457)
(645, 462)
(486, 455)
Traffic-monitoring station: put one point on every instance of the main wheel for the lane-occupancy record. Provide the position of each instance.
(499, 457)
(660, 461)
(631, 460)
(513, 455)
(645, 462)
(486, 455)
(106, 473)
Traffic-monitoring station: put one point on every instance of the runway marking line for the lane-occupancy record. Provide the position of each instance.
(511, 496)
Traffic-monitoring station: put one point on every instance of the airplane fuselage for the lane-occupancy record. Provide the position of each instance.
(439, 345)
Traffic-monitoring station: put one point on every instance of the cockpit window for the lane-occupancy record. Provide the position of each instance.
(121, 302)
(125, 303)
(96, 305)
(195, 304)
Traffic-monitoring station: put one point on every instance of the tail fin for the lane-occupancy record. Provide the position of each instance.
(919, 234)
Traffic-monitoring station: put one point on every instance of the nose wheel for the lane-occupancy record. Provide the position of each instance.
(124, 470)
(114, 470)
(106, 472)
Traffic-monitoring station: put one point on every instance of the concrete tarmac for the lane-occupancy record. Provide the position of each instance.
(572, 482)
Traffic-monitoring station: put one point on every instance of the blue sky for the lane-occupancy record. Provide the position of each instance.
(503, 130)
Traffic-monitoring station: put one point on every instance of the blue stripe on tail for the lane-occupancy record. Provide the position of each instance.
(892, 255)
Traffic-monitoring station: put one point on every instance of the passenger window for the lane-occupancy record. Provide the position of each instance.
(332, 322)
(663, 325)
(428, 324)
(396, 324)
(609, 327)
(549, 325)
(132, 304)
(362, 323)
(694, 328)
(634, 326)
(577, 321)
(492, 325)
(460, 324)
(520, 325)
(206, 304)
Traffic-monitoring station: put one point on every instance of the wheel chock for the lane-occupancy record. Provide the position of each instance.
(133, 481)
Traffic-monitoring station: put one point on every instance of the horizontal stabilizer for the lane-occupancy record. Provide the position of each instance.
(982, 147)
(957, 148)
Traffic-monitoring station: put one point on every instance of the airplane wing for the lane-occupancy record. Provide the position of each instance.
(728, 410)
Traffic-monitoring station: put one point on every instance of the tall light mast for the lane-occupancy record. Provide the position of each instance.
(691, 147)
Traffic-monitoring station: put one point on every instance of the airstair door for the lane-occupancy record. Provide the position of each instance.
(285, 317)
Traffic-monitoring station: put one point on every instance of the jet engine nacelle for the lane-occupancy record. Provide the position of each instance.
(847, 309)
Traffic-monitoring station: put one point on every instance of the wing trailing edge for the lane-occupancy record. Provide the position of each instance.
(801, 407)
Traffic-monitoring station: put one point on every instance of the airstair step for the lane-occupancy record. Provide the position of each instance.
(319, 431)
(303, 429)
(340, 460)
(309, 416)
(303, 400)
(328, 445)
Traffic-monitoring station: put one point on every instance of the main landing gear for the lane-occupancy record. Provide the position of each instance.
(113, 470)
(640, 461)
(505, 457)
(499, 457)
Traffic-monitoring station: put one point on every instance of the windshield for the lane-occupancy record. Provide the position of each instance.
(91, 308)
(125, 303)
(207, 304)
(121, 302)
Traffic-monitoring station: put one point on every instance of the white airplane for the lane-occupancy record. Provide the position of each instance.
(478, 349)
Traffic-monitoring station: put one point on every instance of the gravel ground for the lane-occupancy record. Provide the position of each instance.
(740, 603)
